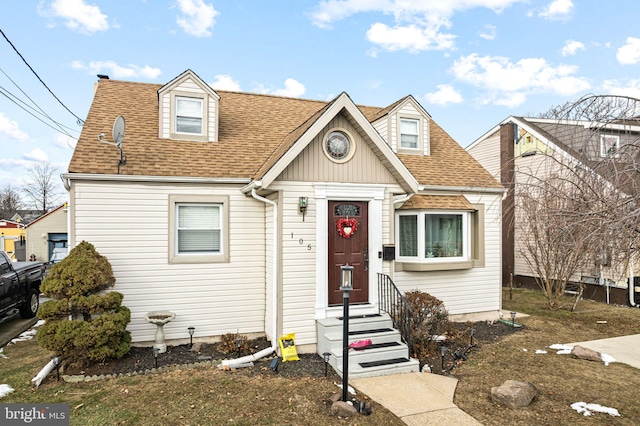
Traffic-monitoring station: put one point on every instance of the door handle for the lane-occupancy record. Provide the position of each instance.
(366, 258)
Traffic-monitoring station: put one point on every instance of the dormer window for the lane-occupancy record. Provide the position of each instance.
(409, 137)
(188, 115)
(609, 146)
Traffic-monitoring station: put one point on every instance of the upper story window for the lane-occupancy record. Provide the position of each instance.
(188, 115)
(409, 136)
(609, 146)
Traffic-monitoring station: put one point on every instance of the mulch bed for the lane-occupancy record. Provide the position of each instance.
(140, 359)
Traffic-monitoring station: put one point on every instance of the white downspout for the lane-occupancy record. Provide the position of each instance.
(631, 285)
(232, 363)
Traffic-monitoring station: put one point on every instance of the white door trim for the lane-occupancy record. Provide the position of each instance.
(374, 195)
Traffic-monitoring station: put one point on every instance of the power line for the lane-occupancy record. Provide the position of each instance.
(79, 120)
(38, 118)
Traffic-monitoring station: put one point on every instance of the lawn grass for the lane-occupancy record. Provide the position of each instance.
(194, 396)
(560, 379)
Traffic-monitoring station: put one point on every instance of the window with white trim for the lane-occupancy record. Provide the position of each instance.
(198, 229)
(609, 146)
(188, 115)
(433, 236)
(409, 136)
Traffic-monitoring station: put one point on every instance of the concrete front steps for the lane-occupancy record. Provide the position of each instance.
(386, 355)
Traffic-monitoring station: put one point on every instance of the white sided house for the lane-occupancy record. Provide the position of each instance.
(236, 211)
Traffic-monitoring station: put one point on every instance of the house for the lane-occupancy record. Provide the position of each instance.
(519, 147)
(11, 234)
(236, 210)
(46, 233)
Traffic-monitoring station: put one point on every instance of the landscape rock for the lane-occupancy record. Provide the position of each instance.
(513, 394)
(342, 409)
(586, 353)
(197, 347)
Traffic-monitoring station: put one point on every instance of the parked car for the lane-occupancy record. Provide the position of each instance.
(19, 286)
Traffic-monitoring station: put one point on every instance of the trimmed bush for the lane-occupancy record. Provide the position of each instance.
(82, 325)
(429, 319)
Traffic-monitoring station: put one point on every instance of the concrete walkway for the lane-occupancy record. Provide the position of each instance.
(419, 399)
(624, 349)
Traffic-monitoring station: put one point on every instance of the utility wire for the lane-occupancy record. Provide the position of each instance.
(37, 118)
(79, 120)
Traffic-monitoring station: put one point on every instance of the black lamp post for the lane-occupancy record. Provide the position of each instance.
(156, 351)
(191, 331)
(326, 356)
(56, 363)
(346, 285)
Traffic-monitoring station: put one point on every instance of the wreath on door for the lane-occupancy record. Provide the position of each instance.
(347, 227)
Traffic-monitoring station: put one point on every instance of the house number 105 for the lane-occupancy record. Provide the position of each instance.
(301, 241)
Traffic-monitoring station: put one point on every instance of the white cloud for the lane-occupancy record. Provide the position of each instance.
(571, 47)
(11, 129)
(225, 82)
(446, 94)
(64, 141)
(418, 24)
(508, 83)
(488, 32)
(292, 88)
(629, 88)
(36, 155)
(557, 9)
(117, 71)
(629, 54)
(197, 17)
(412, 38)
(78, 15)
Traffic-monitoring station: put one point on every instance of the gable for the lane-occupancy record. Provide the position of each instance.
(392, 125)
(313, 165)
(188, 87)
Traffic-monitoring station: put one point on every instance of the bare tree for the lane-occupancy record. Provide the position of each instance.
(10, 201)
(578, 205)
(43, 187)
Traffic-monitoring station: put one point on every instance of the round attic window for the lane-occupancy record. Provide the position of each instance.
(338, 146)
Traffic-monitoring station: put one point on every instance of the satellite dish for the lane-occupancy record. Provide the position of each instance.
(118, 131)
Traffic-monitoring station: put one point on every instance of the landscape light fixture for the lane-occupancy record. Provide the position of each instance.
(443, 350)
(326, 356)
(303, 203)
(239, 345)
(346, 285)
(513, 319)
(472, 332)
(191, 331)
(56, 362)
(156, 351)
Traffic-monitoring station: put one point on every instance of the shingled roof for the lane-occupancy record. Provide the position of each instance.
(253, 128)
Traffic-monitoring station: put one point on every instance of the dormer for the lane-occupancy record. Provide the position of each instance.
(405, 127)
(189, 109)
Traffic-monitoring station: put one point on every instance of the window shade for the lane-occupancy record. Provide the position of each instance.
(199, 228)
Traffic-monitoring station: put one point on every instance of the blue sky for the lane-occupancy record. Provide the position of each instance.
(470, 63)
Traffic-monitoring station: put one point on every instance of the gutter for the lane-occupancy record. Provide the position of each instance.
(239, 362)
(462, 189)
(152, 179)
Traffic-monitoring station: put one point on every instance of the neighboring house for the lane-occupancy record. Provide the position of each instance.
(521, 146)
(26, 216)
(236, 210)
(47, 232)
(11, 234)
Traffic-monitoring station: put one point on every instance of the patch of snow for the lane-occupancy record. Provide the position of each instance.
(2, 355)
(607, 359)
(589, 409)
(5, 390)
(561, 349)
(349, 388)
(29, 334)
(524, 349)
(540, 351)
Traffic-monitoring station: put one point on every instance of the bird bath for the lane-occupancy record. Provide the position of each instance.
(159, 318)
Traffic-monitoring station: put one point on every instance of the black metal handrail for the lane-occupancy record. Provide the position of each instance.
(391, 301)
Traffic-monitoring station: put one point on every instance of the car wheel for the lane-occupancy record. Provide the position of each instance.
(30, 308)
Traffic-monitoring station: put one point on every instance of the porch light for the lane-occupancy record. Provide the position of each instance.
(326, 357)
(303, 203)
(346, 278)
(56, 362)
(191, 331)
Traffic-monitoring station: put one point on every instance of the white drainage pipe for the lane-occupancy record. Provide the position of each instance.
(43, 373)
(228, 364)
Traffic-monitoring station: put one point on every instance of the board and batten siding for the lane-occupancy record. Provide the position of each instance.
(468, 290)
(487, 153)
(313, 165)
(129, 224)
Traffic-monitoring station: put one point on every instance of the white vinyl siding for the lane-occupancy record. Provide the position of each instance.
(129, 224)
(472, 290)
(487, 153)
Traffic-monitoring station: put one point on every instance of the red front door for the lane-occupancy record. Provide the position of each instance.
(348, 243)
